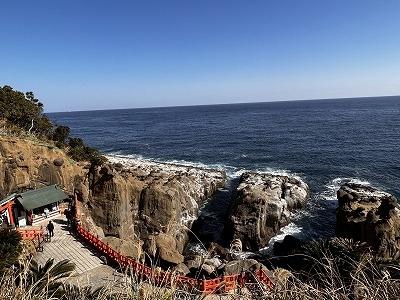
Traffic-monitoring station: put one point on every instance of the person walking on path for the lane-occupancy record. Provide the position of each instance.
(50, 228)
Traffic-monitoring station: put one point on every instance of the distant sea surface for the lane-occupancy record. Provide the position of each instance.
(325, 142)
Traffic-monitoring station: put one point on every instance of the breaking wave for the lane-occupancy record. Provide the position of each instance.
(132, 159)
(290, 229)
(231, 171)
(331, 188)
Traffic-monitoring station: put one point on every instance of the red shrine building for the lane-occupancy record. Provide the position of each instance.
(32, 206)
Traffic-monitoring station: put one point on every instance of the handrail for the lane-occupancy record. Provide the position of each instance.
(225, 283)
(31, 233)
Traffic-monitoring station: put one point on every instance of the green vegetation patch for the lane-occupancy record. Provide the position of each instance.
(10, 247)
(23, 113)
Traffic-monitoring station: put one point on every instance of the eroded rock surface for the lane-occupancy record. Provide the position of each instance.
(211, 264)
(153, 202)
(26, 164)
(369, 215)
(263, 205)
(126, 206)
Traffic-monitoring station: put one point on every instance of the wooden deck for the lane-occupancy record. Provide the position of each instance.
(66, 246)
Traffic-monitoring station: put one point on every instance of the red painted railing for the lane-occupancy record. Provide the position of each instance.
(207, 286)
(31, 233)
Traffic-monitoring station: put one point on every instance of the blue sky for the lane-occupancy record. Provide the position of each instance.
(80, 55)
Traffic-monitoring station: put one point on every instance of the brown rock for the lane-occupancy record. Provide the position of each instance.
(29, 164)
(263, 205)
(129, 248)
(129, 203)
(164, 247)
(217, 250)
(181, 269)
(209, 269)
(238, 266)
(288, 246)
(195, 263)
(214, 262)
(148, 198)
(58, 162)
(369, 215)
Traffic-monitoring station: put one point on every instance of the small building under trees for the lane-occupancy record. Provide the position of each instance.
(31, 207)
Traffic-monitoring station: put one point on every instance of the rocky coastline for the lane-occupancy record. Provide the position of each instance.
(146, 209)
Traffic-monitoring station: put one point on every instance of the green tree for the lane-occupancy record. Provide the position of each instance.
(61, 134)
(75, 142)
(23, 110)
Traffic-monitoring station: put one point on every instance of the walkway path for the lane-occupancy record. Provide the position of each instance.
(90, 271)
(65, 246)
(89, 268)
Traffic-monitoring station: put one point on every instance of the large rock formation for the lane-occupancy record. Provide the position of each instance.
(28, 164)
(148, 204)
(369, 215)
(154, 202)
(263, 205)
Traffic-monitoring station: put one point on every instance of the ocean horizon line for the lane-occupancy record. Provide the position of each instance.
(224, 104)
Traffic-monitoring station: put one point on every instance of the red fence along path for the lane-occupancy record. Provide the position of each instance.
(30, 233)
(207, 286)
(36, 235)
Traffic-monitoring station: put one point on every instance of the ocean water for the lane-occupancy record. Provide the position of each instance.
(325, 142)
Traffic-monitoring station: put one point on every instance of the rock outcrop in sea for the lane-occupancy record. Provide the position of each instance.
(369, 215)
(263, 205)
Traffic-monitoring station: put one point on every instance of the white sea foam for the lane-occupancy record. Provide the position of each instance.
(234, 173)
(197, 248)
(290, 229)
(129, 160)
(332, 187)
(279, 172)
(187, 218)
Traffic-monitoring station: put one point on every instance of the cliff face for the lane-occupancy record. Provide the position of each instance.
(28, 164)
(369, 215)
(152, 202)
(148, 206)
(263, 205)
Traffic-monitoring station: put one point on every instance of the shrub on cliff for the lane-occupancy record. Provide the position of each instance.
(80, 152)
(61, 134)
(25, 112)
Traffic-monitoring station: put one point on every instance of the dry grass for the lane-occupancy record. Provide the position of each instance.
(330, 275)
(341, 269)
(8, 130)
(367, 281)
